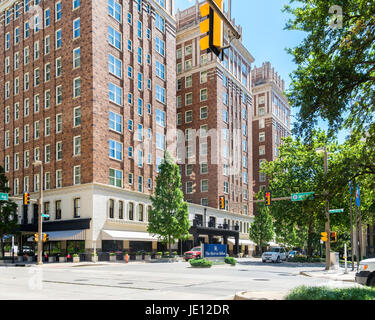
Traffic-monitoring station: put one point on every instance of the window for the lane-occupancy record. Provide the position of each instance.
(203, 95)
(189, 187)
(160, 94)
(47, 153)
(58, 41)
(58, 95)
(36, 129)
(59, 151)
(131, 211)
(139, 29)
(47, 127)
(76, 58)
(121, 210)
(160, 70)
(47, 185)
(140, 212)
(188, 99)
(115, 122)
(225, 116)
(262, 136)
(77, 207)
(160, 46)
(188, 81)
(226, 187)
(115, 94)
(130, 178)
(204, 168)
(77, 146)
(77, 174)
(203, 78)
(58, 67)
(140, 55)
(58, 209)
(76, 4)
(76, 87)
(262, 150)
(204, 185)
(140, 81)
(188, 64)
(58, 8)
(160, 118)
(188, 116)
(115, 150)
(111, 208)
(159, 22)
(26, 52)
(188, 50)
(114, 38)
(47, 20)
(115, 178)
(140, 184)
(76, 28)
(160, 141)
(203, 113)
(58, 123)
(115, 66)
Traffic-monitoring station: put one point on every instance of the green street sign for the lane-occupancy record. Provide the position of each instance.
(302, 196)
(45, 215)
(4, 197)
(336, 211)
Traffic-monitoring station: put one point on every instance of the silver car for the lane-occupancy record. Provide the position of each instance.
(276, 254)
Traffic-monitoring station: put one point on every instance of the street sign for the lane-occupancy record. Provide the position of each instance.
(302, 196)
(215, 250)
(336, 211)
(4, 196)
(45, 215)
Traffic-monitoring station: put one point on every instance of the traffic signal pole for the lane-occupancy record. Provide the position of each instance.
(327, 225)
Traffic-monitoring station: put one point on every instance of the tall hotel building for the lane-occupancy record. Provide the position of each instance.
(214, 113)
(83, 90)
(271, 119)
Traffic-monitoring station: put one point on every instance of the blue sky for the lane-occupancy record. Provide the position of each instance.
(264, 36)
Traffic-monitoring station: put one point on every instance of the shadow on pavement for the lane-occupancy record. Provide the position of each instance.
(281, 264)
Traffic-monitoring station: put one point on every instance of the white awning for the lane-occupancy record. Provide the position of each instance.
(127, 235)
(242, 242)
(64, 235)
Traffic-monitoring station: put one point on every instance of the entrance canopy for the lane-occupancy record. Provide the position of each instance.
(127, 235)
(64, 235)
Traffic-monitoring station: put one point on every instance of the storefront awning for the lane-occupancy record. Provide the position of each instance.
(64, 235)
(242, 242)
(127, 235)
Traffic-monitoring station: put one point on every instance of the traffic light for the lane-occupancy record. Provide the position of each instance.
(212, 28)
(268, 198)
(333, 237)
(45, 237)
(35, 237)
(324, 236)
(222, 202)
(26, 198)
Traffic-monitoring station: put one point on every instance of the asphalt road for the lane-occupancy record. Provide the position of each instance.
(154, 281)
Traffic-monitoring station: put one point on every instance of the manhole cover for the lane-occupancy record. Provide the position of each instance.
(261, 279)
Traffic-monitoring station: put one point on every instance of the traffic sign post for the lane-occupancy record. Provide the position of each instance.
(302, 196)
(4, 197)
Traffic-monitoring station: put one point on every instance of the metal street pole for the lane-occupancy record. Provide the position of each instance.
(356, 236)
(360, 234)
(40, 231)
(327, 225)
(346, 260)
(351, 231)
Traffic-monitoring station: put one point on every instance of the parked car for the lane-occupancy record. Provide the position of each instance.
(28, 250)
(194, 253)
(276, 254)
(293, 254)
(366, 274)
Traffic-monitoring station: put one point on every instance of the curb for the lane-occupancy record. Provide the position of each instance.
(250, 295)
(335, 278)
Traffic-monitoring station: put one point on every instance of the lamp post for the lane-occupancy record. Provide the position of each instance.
(40, 231)
(327, 224)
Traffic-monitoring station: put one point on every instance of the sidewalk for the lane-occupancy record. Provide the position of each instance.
(337, 275)
(259, 295)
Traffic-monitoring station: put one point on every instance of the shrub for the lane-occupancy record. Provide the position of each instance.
(200, 263)
(112, 254)
(230, 260)
(325, 293)
(304, 259)
(159, 253)
(75, 255)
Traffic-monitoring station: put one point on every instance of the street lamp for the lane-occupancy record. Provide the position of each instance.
(40, 238)
(327, 224)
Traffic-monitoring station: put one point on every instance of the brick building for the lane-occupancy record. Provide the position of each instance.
(271, 119)
(214, 114)
(84, 90)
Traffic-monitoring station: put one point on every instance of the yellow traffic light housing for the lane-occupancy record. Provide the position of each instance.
(45, 237)
(324, 236)
(212, 28)
(35, 237)
(333, 237)
(26, 198)
(268, 198)
(222, 202)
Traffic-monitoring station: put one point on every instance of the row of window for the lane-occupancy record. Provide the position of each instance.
(46, 180)
(129, 213)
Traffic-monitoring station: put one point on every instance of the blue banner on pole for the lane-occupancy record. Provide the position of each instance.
(215, 250)
(358, 196)
(351, 187)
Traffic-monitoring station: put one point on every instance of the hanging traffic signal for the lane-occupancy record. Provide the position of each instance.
(35, 237)
(212, 28)
(333, 237)
(324, 236)
(26, 198)
(268, 198)
(45, 237)
(222, 202)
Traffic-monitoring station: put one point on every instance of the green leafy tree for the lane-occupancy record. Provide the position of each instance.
(261, 230)
(8, 212)
(169, 216)
(335, 77)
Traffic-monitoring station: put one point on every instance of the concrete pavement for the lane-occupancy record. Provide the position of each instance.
(336, 275)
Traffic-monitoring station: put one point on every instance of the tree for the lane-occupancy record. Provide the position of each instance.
(8, 212)
(169, 216)
(261, 230)
(335, 77)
